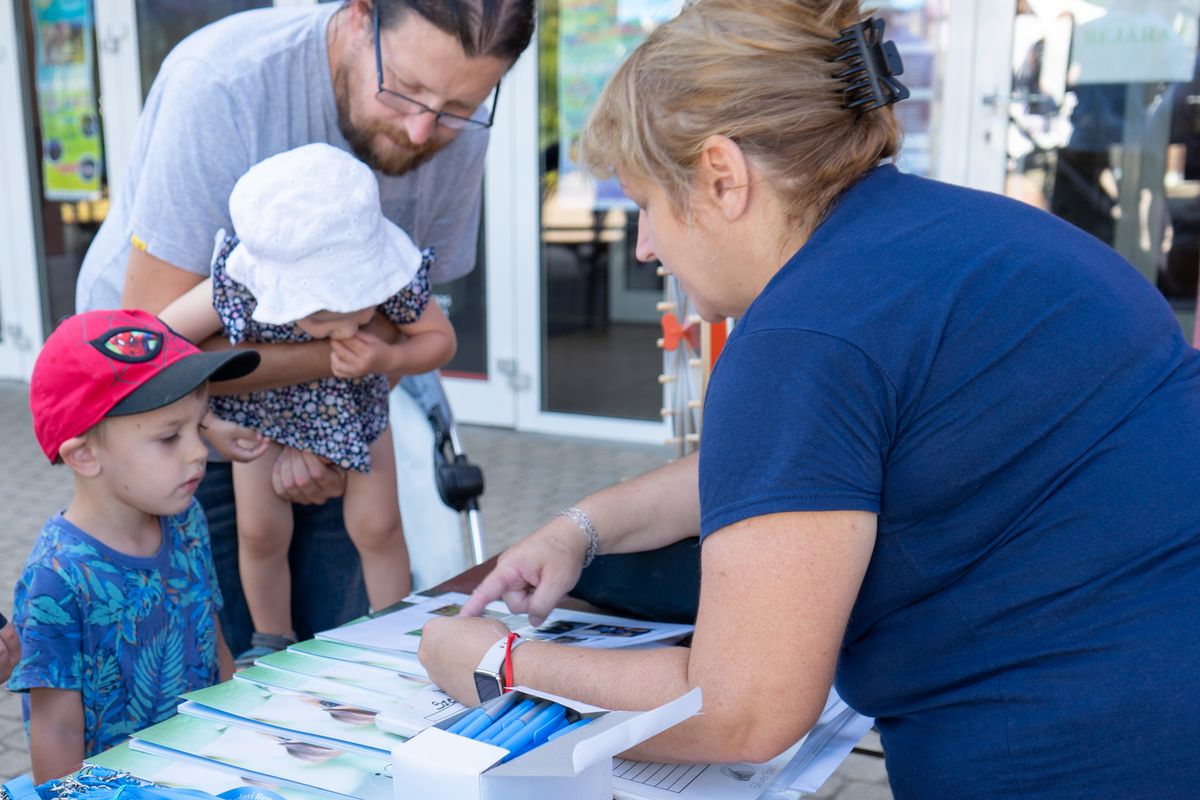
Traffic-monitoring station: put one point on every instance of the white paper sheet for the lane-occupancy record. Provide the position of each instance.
(400, 631)
(800, 770)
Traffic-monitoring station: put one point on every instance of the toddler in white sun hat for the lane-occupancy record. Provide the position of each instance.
(314, 258)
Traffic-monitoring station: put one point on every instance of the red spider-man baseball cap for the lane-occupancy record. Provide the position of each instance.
(114, 363)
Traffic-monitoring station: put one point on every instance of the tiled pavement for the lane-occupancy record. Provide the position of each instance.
(529, 477)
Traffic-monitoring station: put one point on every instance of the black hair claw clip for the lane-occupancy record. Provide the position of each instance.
(871, 67)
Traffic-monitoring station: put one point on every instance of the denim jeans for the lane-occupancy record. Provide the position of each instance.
(657, 584)
(327, 586)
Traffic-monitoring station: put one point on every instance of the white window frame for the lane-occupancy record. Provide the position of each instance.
(20, 294)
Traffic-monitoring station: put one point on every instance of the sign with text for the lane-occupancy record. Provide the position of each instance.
(1136, 41)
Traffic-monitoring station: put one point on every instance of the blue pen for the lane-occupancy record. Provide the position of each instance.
(536, 733)
(472, 730)
(520, 720)
(517, 735)
(465, 720)
(481, 717)
(569, 728)
(512, 713)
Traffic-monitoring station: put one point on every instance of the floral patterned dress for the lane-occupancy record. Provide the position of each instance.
(337, 418)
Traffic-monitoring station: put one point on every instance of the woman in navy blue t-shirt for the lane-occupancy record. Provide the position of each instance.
(951, 454)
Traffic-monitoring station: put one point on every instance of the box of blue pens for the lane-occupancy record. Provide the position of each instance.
(527, 745)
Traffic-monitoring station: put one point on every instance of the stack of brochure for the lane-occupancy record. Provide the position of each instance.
(313, 721)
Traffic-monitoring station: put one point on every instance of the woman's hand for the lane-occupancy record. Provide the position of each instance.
(303, 477)
(533, 575)
(451, 648)
(232, 440)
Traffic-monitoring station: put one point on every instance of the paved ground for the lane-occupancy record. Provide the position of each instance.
(529, 477)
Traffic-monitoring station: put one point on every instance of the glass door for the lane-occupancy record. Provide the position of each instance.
(1104, 129)
(919, 29)
(589, 321)
(598, 361)
(485, 378)
(20, 309)
(62, 113)
(82, 78)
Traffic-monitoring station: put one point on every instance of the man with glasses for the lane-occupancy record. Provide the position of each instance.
(408, 86)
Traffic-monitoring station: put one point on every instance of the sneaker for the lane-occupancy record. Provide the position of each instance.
(263, 644)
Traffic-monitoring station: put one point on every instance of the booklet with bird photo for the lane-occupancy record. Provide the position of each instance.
(304, 716)
(358, 676)
(257, 753)
(177, 773)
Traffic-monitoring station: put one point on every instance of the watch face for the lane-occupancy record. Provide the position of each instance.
(487, 685)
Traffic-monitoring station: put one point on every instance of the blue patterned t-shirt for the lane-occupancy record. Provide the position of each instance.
(129, 633)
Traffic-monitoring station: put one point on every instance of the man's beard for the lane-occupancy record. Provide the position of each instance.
(397, 160)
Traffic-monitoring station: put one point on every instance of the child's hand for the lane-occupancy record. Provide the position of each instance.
(232, 440)
(362, 354)
(10, 650)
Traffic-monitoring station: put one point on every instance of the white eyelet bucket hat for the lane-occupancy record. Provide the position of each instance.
(313, 236)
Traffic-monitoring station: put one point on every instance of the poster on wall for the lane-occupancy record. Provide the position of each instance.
(1135, 41)
(595, 36)
(66, 91)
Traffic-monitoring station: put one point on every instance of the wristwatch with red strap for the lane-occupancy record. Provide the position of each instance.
(493, 676)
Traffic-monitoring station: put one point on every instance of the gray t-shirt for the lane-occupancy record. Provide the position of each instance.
(233, 93)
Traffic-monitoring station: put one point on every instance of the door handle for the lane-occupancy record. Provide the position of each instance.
(994, 99)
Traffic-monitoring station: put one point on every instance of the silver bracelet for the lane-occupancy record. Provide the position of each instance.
(584, 522)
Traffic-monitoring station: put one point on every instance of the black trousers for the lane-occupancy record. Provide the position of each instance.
(658, 584)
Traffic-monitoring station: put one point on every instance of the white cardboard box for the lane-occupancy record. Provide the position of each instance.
(578, 765)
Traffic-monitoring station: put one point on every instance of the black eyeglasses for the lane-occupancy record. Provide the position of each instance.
(408, 106)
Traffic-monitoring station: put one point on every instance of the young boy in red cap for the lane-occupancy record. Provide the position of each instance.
(116, 608)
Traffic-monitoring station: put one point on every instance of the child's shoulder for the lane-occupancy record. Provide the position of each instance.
(225, 288)
(59, 558)
(420, 280)
(407, 305)
(60, 541)
(223, 245)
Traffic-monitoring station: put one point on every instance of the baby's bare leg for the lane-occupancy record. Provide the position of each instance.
(372, 514)
(264, 525)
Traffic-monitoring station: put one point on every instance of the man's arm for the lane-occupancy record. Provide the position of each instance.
(55, 732)
(152, 284)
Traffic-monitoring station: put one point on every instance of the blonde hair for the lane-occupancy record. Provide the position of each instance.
(760, 73)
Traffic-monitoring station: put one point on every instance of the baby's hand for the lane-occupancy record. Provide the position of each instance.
(362, 354)
(232, 440)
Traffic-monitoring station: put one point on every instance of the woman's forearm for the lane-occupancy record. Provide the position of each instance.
(650, 511)
(777, 591)
(628, 680)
